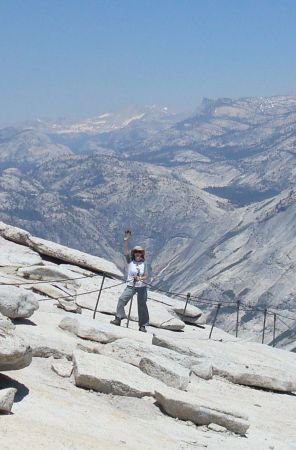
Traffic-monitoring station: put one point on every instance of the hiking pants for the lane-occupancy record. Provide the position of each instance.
(142, 303)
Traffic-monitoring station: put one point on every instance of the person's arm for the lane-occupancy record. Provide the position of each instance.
(127, 235)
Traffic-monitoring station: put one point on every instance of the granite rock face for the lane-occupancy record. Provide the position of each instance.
(16, 255)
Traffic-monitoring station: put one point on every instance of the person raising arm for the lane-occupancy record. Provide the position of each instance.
(135, 284)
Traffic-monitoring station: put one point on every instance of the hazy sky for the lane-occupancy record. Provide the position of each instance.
(77, 58)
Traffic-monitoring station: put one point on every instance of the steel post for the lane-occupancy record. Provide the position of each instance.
(215, 318)
(264, 325)
(99, 295)
(187, 300)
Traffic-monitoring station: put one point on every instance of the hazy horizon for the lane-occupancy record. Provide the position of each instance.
(80, 58)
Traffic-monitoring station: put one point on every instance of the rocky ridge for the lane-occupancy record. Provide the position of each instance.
(203, 195)
(168, 389)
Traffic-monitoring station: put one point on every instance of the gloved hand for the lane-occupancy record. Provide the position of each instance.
(127, 235)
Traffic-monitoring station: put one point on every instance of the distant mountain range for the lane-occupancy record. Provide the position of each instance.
(211, 195)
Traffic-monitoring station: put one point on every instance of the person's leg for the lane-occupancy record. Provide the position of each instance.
(142, 306)
(122, 302)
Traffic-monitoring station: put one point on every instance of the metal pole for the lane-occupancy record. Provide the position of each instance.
(237, 319)
(215, 318)
(274, 322)
(99, 295)
(187, 300)
(129, 312)
(264, 324)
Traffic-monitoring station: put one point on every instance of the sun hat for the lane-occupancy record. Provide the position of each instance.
(137, 248)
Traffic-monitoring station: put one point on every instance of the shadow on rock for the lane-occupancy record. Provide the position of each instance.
(24, 322)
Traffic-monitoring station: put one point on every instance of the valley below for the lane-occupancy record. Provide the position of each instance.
(210, 195)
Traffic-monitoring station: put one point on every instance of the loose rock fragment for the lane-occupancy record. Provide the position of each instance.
(187, 407)
(63, 368)
(170, 373)
(16, 302)
(110, 376)
(7, 399)
(203, 369)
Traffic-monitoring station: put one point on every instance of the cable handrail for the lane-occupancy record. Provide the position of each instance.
(179, 295)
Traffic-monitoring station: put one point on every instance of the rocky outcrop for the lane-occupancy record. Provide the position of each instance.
(16, 255)
(93, 330)
(107, 375)
(60, 252)
(184, 406)
(172, 374)
(130, 351)
(257, 375)
(255, 367)
(17, 302)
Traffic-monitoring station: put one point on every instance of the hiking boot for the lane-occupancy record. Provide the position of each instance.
(116, 321)
(143, 329)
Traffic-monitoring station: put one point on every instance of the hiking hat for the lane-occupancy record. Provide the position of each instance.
(137, 248)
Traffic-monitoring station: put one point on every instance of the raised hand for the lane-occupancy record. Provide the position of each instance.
(127, 235)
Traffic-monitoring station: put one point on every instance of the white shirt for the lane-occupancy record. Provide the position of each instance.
(135, 269)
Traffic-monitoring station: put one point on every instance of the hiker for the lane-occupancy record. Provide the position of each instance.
(136, 277)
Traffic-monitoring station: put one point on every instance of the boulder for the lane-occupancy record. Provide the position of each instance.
(6, 326)
(161, 317)
(16, 302)
(107, 375)
(13, 254)
(175, 306)
(203, 369)
(185, 406)
(257, 375)
(6, 399)
(14, 352)
(62, 367)
(132, 352)
(69, 306)
(201, 320)
(93, 330)
(172, 374)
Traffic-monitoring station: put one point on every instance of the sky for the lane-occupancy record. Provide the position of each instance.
(78, 58)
